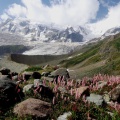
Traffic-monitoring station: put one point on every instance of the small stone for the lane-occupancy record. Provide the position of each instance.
(101, 84)
(64, 116)
(37, 82)
(28, 87)
(97, 99)
(106, 98)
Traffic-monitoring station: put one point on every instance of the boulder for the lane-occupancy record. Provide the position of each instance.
(15, 78)
(45, 74)
(82, 90)
(10, 93)
(5, 77)
(36, 75)
(45, 92)
(33, 107)
(115, 94)
(61, 72)
(28, 87)
(97, 99)
(27, 75)
(5, 71)
(37, 82)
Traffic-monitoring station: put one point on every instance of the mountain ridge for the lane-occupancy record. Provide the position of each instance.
(48, 39)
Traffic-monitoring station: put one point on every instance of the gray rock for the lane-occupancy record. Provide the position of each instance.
(15, 78)
(106, 97)
(61, 71)
(37, 82)
(45, 74)
(5, 71)
(33, 107)
(28, 87)
(4, 77)
(45, 92)
(49, 79)
(10, 93)
(101, 84)
(27, 75)
(97, 99)
(64, 116)
(36, 75)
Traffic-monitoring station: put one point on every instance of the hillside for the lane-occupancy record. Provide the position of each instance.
(9, 49)
(103, 57)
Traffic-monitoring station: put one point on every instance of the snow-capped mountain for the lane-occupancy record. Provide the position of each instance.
(43, 33)
(112, 31)
(47, 39)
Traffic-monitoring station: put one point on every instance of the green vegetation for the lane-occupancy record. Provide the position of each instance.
(107, 50)
(80, 58)
(33, 68)
(92, 60)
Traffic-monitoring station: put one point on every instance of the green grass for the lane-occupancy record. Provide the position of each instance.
(33, 68)
(80, 58)
(93, 59)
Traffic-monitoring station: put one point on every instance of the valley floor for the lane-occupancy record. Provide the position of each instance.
(15, 67)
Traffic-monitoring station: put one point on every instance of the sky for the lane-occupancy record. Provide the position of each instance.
(100, 14)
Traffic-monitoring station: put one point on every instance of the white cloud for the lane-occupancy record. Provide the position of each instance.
(4, 16)
(16, 10)
(111, 20)
(67, 12)
(61, 12)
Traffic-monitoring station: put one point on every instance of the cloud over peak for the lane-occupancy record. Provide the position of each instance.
(67, 13)
(112, 19)
(61, 12)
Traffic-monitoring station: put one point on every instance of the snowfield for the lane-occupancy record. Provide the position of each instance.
(52, 48)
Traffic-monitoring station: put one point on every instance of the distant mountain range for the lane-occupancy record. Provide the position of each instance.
(43, 33)
(36, 35)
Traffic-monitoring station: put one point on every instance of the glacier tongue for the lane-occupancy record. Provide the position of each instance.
(38, 47)
(52, 49)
